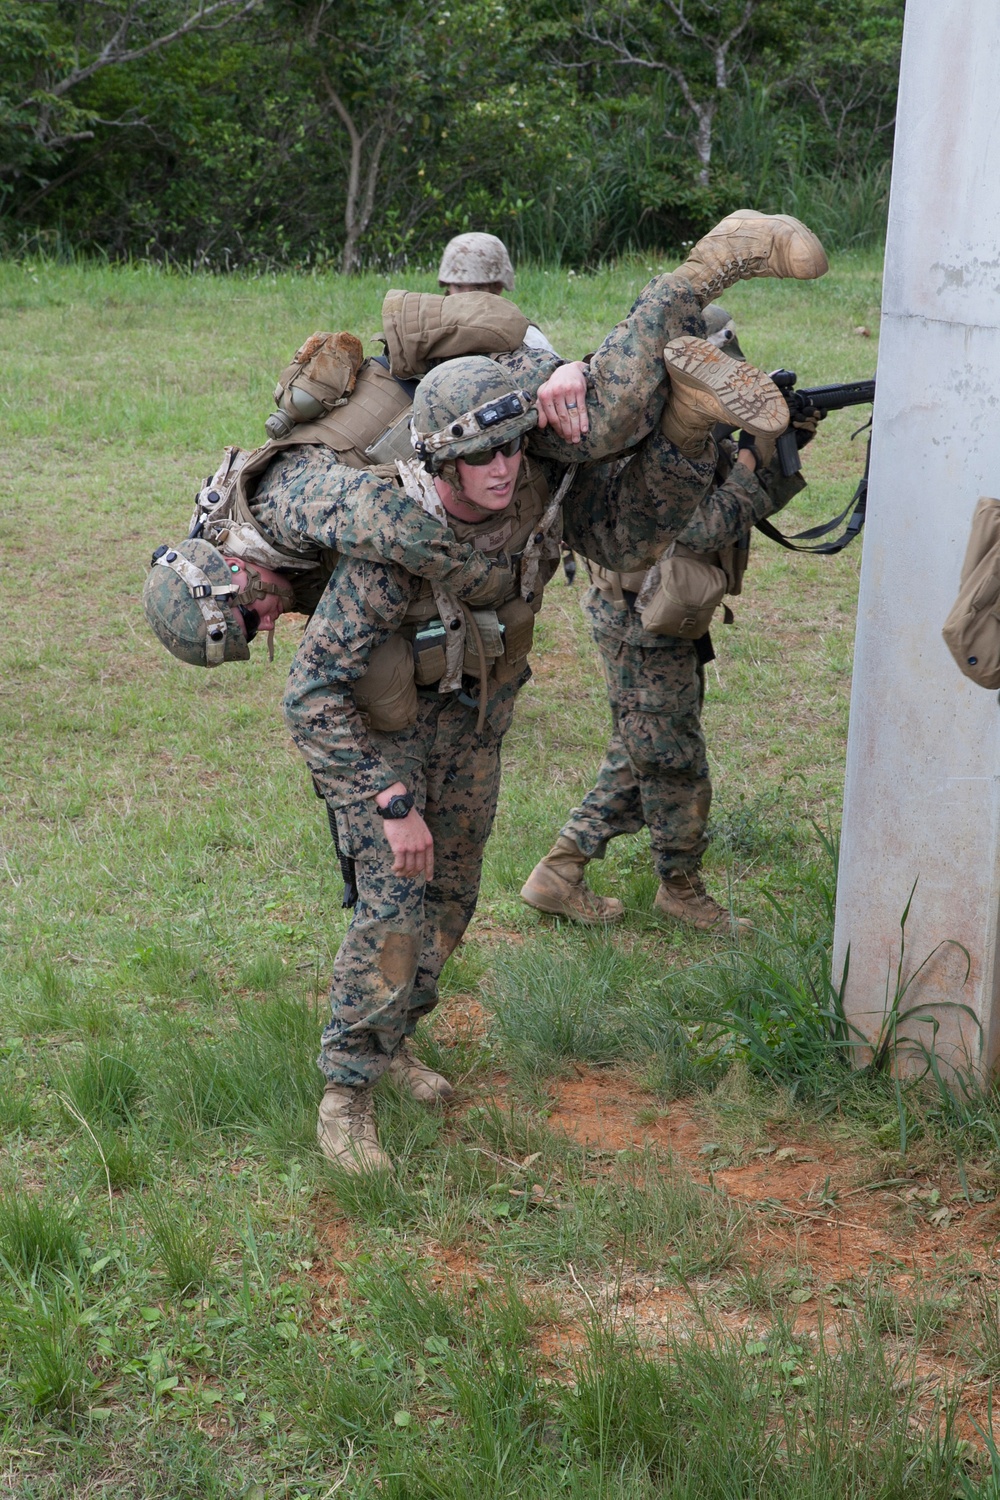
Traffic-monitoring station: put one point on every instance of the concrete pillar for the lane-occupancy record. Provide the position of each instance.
(922, 794)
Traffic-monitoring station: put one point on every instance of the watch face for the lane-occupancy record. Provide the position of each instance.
(398, 807)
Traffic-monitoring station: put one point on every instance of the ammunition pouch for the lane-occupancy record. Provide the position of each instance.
(387, 693)
(429, 654)
(487, 623)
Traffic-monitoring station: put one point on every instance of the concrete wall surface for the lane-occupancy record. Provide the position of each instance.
(922, 794)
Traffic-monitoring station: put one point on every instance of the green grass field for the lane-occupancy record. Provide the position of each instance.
(580, 1283)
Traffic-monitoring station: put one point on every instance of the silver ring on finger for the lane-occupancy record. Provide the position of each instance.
(571, 406)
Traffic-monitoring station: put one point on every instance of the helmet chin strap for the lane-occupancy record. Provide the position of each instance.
(257, 589)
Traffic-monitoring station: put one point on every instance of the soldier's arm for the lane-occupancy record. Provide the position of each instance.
(309, 501)
(362, 605)
(746, 495)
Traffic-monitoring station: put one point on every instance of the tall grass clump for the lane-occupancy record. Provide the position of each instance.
(37, 1234)
(572, 1001)
(45, 1341)
(106, 1084)
(260, 1074)
(774, 1000)
(770, 1417)
(183, 1242)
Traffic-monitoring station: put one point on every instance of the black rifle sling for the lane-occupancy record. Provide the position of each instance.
(855, 509)
(347, 866)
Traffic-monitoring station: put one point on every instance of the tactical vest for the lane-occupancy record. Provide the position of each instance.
(414, 657)
(223, 514)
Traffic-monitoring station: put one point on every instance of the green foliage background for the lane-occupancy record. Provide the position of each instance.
(562, 125)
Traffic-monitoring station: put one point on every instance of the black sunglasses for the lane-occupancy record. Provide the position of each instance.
(483, 456)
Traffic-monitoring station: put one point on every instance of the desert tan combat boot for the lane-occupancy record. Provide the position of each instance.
(408, 1073)
(346, 1130)
(747, 244)
(685, 898)
(706, 387)
(556, 886)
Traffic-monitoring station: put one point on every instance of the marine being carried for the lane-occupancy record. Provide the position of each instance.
(403, 687)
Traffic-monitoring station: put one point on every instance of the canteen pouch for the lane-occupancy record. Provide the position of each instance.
(972, 629)
(387, 693)
(690, 591)
(321, 376)
(429, 659)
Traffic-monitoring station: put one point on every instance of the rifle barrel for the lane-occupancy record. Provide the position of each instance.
(834, 397)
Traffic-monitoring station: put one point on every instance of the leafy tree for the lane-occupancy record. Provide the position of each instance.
(53, 47)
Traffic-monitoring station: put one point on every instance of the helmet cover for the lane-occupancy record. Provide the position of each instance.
(187, 601)
(476, 260)
(466, 405)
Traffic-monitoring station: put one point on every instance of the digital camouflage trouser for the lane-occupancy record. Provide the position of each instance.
(403, 929)
(655, 770)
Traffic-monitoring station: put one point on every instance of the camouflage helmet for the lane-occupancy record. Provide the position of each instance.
(466, 405)
(186, 599)
(476, 260)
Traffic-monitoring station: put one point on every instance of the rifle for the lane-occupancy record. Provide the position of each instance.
(816, 401)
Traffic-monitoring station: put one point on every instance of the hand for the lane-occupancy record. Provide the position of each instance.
(562, 402)
(805, 430)
(410, 840)
(746, 453)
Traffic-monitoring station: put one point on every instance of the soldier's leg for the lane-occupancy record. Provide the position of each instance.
(612, 806)
(655, 771)
(629, 383)
(463, 783)
(666, 747)
(661, 731)
(377, 961)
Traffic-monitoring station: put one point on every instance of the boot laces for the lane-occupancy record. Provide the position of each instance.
(735, 269)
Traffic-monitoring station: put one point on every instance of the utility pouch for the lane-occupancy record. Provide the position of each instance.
(488, 624)
(972, 629)
(429, 659)
(393, 443)
(690, 591)
(517, 620)
(387, 693)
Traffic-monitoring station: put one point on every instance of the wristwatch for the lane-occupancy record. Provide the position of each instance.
(396, 807)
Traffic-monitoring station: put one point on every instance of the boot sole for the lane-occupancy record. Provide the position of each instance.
(748, 398)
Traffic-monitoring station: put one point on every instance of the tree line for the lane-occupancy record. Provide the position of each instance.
(352, 133)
